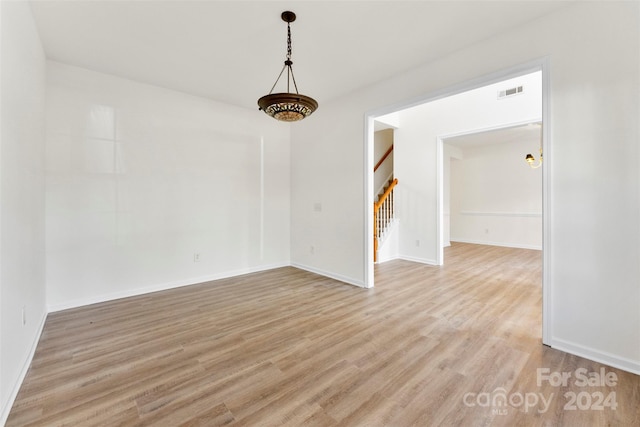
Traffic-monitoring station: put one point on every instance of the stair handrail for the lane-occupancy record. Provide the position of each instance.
(376, 207)
(384, 157)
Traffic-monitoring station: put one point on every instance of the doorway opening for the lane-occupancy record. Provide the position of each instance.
(426, 132)
(491, 195)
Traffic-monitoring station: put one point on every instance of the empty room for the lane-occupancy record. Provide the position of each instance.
(192, 231)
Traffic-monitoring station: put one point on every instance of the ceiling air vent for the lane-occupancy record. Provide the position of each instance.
(510, 92)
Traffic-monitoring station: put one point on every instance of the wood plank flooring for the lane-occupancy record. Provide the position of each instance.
(428, 346)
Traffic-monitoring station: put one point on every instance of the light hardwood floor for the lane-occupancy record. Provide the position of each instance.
(287, 347)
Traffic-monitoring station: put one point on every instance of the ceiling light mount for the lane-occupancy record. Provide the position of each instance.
(288, 16)
(287, 106)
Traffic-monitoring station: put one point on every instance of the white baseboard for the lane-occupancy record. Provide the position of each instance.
(23, 373)
(603, 357)
(502, 244)
(338, 277)
(159, 287)
(416, 259)
(409, 258)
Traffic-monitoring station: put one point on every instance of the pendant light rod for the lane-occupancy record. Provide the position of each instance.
(288, 17)
(278, 79)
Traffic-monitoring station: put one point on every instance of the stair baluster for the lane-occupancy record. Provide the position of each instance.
(383, 215)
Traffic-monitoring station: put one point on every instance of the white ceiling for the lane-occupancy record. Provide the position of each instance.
(525, 135)
(232, 51)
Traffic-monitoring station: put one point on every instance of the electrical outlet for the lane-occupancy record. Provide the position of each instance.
(486, 231)
(196, 257)
(417, 243)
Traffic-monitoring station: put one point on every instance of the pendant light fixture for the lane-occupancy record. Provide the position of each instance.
(287, 106)
(529, 157)
(532, 160)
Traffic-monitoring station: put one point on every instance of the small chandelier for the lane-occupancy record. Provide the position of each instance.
(529, 157)
(531, 160)
(287, 107)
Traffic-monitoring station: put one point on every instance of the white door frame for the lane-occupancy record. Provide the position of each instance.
(541, 64)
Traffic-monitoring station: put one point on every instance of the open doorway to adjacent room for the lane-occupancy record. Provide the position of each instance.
(491, 194)
(458, 170)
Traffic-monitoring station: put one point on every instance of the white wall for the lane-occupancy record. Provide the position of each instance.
(327, 168)
(139, 179)
(593, 267)
(22, 280)
(416, 152)
(496, 198)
